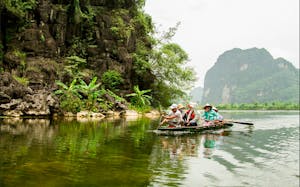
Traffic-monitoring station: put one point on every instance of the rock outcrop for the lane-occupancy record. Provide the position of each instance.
(18, 100)
(35, 42)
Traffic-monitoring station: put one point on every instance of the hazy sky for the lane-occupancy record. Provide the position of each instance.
(210, 27)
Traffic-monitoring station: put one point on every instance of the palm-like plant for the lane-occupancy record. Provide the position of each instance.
(67, 91)
(139, 97)
(90, 91)
(69, 96)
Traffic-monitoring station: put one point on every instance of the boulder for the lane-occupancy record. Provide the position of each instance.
(111, 113)
(11, 105)
(13, 113)
(4, 98)
(69, 114)
(13, 58)
(38, 104)
(88, 114)
(130, 113)
(9, 109)
(152, 114)
(12, 88)
(120, 106)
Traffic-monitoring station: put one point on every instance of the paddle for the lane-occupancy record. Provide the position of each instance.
(160, 120)
(239, 122)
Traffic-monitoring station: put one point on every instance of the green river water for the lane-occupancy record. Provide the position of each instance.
(41, 152)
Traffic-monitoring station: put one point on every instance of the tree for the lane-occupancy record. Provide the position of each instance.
(163, 69)
(168, 65)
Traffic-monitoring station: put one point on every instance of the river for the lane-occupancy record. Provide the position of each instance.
(42, 152)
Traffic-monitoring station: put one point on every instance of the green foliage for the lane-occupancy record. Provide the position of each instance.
(161, 66)
(111, 79)
(22, 57)
(173, 77)
(82, 96)
(165, 94)
(78, 47)
(19, 7)
(83, 16)
(120, 28)
(74, 66)
(91, 93)
(76, 61)
(70, 99)
(79, 15)
(167, 65)
(140, 3)
(168, 35)
(22, 80)
(144, 22)
(42, 37)
(260, 106)
(115, 96)
(139, 99)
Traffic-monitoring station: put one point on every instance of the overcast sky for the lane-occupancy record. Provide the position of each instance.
(210, 27)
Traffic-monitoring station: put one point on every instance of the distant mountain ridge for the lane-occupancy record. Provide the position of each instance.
(251, 75)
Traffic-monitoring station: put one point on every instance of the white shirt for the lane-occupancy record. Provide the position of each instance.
(178, 117)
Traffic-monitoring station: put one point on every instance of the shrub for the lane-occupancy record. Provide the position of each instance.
(111, 79)
(74, 65)
(22, 80)
(70, 99)
(139, 99)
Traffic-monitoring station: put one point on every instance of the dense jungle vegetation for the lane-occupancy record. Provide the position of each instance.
(91, 54)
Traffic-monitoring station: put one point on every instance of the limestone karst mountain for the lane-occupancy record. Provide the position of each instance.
(251, 75)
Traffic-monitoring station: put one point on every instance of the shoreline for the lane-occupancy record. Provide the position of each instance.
(88, 115)
(128, 114)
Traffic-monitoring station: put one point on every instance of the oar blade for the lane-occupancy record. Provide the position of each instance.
(239, 122)
(243, 123)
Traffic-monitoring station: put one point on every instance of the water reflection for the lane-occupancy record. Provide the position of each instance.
(171, 155)
(68, 152)
(119, 152)
(209, 144)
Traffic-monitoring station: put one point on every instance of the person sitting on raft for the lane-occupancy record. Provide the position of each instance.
(181, 108)
(219, 117)
(191, 117)
(209, 115)
(174, 117)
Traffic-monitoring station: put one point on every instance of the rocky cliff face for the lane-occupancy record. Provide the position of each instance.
(252, 75)
(36, 36)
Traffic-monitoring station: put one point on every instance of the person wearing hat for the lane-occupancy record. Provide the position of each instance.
(174, 117)
(191, 117)
(220, 118)
(209, 114)
(180, 107)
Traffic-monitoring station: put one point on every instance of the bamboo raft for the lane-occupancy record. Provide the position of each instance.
(196, 128)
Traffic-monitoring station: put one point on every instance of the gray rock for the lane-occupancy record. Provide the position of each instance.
(4, 98)
(39, 104)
